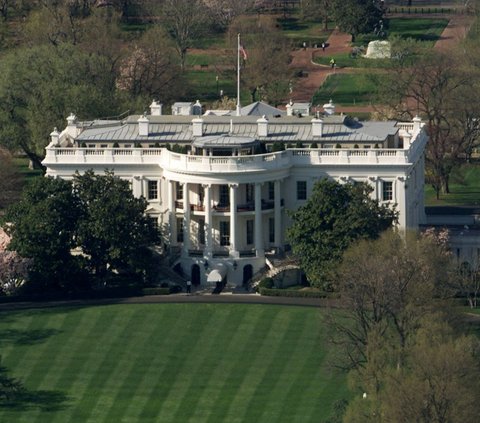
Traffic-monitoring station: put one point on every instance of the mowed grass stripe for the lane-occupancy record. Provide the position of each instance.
(251, 368)
(180, 362)
(154, 360)
(200, 375)
(295, 347)
(307, 385)
(76, 375)
(102, 363)
(229, 355)
(186, 323)
(35, 365)
(127, 341)
(282, 345)
(122, 386)
(199, 332)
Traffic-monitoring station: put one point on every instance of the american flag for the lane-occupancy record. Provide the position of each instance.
(243, 52)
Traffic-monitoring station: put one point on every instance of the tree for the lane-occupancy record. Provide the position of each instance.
(387, 285)
(357, 16)
(318, 10)
(151, 69)
(333, 217)
(435, 87)
(266, 70)
(112, 230)
(38, 84)
(42, 226)
(185, 20)
(10, 184)
(225, 11)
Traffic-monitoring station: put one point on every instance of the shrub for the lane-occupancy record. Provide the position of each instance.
(298, 145)
(266, 283)
(313, 145)
(115, 145)
(295, 293)
(156, 291)
(338, 146)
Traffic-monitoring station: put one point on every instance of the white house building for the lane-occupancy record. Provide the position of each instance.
(220, 186)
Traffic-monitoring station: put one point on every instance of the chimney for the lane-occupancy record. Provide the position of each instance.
(317, 127)
(262, 127)
(417, 124)
(55, 136)
(155, 109)
(197, 108)
(290, 108)
(329, 108)
(72, 129)
(143, 126)
(407, 138)
(197, 127)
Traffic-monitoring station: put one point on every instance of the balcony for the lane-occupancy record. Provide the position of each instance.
(184, 163)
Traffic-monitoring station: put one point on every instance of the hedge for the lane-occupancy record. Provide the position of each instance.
(156, 291)
(295, 293)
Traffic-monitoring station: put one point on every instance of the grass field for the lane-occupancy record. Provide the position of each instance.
(346, 89)
(170, 363)
(464, 188)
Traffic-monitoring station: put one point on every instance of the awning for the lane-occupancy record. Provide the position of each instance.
(217, 274)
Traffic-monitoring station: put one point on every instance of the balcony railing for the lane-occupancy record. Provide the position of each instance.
(175, 162)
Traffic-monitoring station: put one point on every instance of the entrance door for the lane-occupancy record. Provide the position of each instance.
(247, 275)
(195, 275)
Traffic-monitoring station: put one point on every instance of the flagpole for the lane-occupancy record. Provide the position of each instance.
(238, 76)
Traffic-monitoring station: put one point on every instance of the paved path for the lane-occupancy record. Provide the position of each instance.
(340, 43)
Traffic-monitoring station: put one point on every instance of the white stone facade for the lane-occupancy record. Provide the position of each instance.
(222, 206)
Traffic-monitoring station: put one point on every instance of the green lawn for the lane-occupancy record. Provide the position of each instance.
(464, 188)
(345, 89)
(170, 363)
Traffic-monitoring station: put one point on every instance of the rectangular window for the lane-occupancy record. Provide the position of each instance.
(301, 190)
(201, 231)
(387, 191)
(271, 230)
(224, 196)
(179, 190)
(224, 233)
(249, 193)
(249, 232)
(179, 229)
(152, 190)
(201, 194)
(271, 190)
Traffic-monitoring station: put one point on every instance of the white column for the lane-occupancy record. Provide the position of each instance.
(258, 220)
(233, 220)
(278, 215)
(172, 216)
(208, 220)
(186, 218)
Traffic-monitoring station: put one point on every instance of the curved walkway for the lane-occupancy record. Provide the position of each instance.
(199, 298)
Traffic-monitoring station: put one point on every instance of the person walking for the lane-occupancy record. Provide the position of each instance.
(323, 46)
(189, 287)
(332, 62)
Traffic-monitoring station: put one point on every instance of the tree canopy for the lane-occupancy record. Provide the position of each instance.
(333, 217)
(98, 216)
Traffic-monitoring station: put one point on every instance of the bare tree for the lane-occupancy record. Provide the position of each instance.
(265, 71)
(185, 20)
(151, 69)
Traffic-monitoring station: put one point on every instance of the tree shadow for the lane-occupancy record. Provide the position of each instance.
(43, 400)
(14, 396)
(26, 337)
